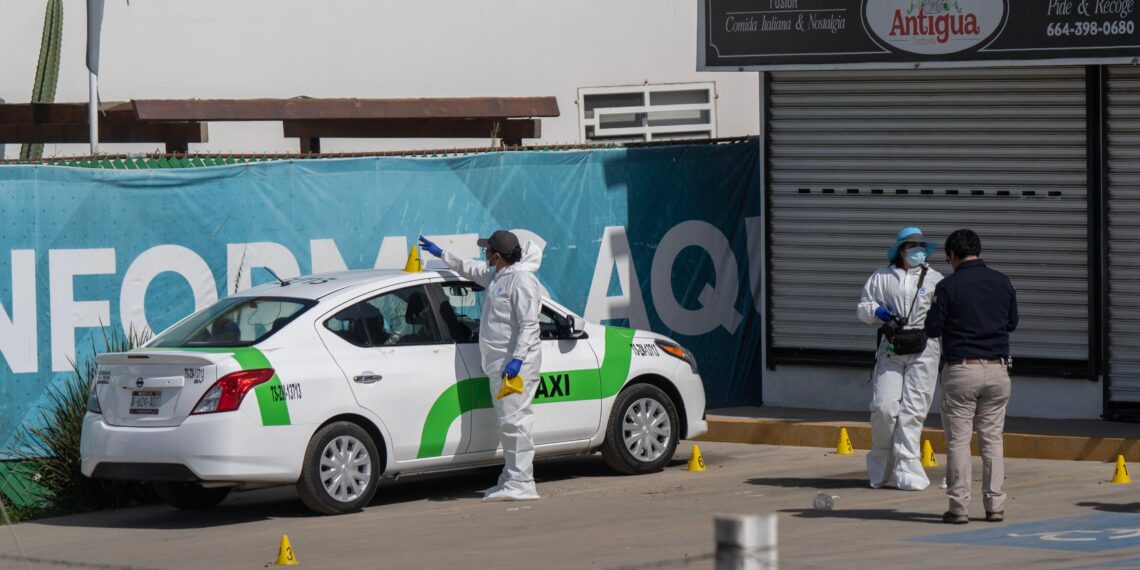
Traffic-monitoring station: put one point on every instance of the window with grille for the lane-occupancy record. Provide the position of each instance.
(647, 112)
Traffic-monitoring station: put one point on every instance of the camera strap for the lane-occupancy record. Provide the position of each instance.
(917, 289)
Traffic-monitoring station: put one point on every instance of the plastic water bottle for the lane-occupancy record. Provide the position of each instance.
(824, 502)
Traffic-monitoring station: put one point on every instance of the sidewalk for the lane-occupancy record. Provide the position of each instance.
(1032, 438)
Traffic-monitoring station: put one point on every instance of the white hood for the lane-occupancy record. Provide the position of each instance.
(531, 258)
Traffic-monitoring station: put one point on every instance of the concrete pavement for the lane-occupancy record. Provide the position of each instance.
(1063, 514)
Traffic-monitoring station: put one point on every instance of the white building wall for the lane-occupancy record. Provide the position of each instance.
(238, 49)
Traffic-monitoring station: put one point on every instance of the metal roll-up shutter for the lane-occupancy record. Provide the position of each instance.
(1123, 234)
(855, 156)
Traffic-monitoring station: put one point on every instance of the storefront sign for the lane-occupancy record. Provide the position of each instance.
(812, 34)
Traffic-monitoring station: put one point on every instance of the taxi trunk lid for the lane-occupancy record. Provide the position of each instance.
(156, 388)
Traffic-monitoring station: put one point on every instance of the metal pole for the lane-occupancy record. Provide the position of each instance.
(93, 112)
(746, 542)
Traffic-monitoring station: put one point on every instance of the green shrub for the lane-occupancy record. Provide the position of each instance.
(51, 448)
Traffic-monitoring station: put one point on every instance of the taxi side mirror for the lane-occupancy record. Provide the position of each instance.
(570, 327)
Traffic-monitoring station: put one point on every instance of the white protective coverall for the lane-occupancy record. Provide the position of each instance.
(903, 386)
(508, 329)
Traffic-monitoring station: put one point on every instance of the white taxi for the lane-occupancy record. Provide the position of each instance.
(331, 382)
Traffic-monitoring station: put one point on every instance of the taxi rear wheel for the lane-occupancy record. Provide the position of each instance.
(642, 432)
(341, 470)
(190, 496)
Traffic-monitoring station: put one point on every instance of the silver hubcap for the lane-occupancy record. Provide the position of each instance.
(346, 468)
(646, 429)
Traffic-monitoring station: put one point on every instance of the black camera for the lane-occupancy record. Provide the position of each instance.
(891, 328)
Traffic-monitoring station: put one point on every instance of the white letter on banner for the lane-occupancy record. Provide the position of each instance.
(629, 305)
(242, 258)
(67, 314)
(754, 233)
(152, 262)
(462, 245)
(325, 257)
(718, 306)
(393, 253)
(18, 340)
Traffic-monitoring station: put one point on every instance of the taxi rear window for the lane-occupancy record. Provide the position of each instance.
(233, 322)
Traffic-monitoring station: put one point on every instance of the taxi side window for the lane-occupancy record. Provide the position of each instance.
(402, 317)
(462, 310)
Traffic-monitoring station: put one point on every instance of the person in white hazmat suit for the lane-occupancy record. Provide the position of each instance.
(509, 345)
(906, 369)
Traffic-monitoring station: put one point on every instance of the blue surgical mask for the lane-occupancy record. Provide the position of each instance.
(916, 256)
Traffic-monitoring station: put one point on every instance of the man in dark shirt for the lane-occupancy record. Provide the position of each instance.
(974, 311)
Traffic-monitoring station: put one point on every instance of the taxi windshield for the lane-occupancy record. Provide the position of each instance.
(233, 322)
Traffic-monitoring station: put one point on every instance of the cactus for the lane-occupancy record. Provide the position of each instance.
(47, 70)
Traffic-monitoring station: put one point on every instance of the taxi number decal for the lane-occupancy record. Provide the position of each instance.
(291, 391)
(559, 386)
(646, 350)
(196, 374)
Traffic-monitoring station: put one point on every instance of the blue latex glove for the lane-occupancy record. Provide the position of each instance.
(884, 313)
(430, 247)
(512, 368)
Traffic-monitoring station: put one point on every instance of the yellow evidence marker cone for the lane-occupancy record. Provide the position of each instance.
(844, 446)
(928, 459)
(285, 556)
(1121, 473)
(512, 385)
(696, 462)
(414, 265)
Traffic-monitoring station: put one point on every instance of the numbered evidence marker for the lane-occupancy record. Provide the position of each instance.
(696, 462)
(285, 556)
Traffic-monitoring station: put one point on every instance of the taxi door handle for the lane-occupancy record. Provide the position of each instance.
(368, 378)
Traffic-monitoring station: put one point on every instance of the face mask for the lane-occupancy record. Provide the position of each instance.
(916, 256)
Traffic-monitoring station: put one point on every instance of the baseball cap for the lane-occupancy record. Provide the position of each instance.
(501, 241)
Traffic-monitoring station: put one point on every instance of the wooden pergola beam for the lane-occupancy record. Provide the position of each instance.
(71, 113)
(415, 128)
(178, 134)
(180, 122)
(304, 109)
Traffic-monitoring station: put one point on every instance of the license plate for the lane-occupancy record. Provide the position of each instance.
(145, 401)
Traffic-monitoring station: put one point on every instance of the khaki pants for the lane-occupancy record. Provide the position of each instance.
(974, 396)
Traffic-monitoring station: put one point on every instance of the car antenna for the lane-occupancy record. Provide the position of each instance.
(283, 282)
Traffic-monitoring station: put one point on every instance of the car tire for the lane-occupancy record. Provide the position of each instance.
(190, 496)
(642, 432)
(343, 447)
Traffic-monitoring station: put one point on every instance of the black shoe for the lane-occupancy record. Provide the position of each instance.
(996, 516)
(951, 518)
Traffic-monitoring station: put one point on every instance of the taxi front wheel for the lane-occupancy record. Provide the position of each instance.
(642, 432)
(341, 470)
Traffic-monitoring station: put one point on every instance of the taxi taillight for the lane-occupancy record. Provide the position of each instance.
(227, 393)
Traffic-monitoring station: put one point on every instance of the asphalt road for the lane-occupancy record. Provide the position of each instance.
(591, 518)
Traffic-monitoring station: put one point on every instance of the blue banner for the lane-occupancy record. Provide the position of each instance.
(664, 238)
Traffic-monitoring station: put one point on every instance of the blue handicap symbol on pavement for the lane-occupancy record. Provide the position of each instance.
(1089, 533)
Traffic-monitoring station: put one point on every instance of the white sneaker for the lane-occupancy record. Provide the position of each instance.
(506, 494)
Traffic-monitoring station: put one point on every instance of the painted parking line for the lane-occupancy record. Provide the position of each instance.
(1088, 533)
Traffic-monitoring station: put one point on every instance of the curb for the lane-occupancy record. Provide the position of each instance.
(825, 434)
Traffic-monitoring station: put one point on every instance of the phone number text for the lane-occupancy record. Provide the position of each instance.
(1117, 28)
